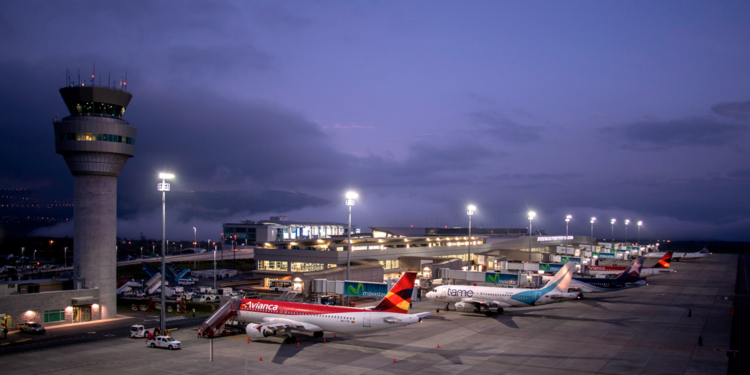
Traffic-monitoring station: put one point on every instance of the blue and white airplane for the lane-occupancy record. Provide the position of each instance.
(630, 278)
(489, 300)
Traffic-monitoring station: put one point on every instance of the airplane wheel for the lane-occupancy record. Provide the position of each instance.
(318, 334)
(437, 310)
(580, 296)
(476, 310)
(488, 314)
(500, 310)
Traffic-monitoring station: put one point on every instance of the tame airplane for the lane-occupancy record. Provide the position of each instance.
(680, 256)
(489, 300)
(630, 278)
(660, 268)
(266, 318)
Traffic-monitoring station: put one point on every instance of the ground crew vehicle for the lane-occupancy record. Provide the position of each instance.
(138, 331)
(164, 342)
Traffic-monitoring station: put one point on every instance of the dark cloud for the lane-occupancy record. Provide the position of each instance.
(218, 60)
(736, 110)
(497, 126)
(661, 135)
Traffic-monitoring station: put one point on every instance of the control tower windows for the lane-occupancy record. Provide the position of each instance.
(95, 137)
(82, 108)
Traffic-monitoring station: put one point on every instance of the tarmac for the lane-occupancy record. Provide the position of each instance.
(638, 331)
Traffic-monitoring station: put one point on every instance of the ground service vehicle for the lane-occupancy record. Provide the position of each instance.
(164, 342)
(138, 331)
(280, 285)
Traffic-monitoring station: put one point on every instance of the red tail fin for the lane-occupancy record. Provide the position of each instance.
(665, 261)
(398, 298)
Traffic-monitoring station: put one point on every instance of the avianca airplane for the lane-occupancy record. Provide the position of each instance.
(679, 256)
(630, 278)
(266, 318)
(488, 299)
(660, 268)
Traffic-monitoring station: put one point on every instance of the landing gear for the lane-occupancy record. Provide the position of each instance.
(318, 334)
(499, 310)
(290, 340)
(446, 307)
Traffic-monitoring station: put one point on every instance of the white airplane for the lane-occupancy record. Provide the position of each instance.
(660, 268)
(485, 299)
(680, 256)
(266, 318)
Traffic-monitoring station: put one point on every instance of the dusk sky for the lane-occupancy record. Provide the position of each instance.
(626, 110)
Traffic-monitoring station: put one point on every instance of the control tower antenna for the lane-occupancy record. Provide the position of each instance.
(96, 143)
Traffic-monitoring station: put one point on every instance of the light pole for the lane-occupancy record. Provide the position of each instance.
(350, 197)
(153, 249)
(470, 212)
(195, 246)
(34, 256)
(532, 215)
(164, 188)
(627, 221)
(613, 232)
(141, 252)
(22, 249)
(639, 232)
(214, 267)
(593, 219)
(567, 221)
(65, 258)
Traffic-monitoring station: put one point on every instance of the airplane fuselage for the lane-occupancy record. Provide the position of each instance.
(315, 318)
(596, 285)
(616, 270)
(513, 297)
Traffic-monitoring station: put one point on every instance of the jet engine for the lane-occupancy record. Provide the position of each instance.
(258, 331)
(466, 307)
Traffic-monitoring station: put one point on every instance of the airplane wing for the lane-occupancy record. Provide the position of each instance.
(486, 303)
(281, 323)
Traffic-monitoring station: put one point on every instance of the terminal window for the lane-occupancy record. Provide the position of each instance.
(51, 316)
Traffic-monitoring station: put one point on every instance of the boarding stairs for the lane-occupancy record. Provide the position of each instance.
(128, 286)
(150, 271)
(288, 296)
(154, 283)
(210, 328)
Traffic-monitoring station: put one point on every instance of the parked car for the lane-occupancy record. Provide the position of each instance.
(164, 342)
(32, 327)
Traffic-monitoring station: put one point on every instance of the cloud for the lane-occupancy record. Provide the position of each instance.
(500, 127)
(350, 126)
(661, 135)
(736, 110)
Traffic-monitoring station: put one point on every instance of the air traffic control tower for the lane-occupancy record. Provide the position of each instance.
(95, 142)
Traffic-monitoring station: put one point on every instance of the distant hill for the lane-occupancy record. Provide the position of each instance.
(24, 210)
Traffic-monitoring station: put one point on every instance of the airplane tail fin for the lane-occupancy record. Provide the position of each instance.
(633, 270)
(665, 261)
(561, 281)
(399, 297)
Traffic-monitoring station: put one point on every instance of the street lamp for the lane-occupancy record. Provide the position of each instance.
(613, 232)
(141, 252)
(639, 232)
(532, 215)
(163, 187)
(567, 221)
(34, 256)
(65, 258)
(195, 246)
(22, 249)
(593, 219)
(350, 197)
(470, 212)
(626, 231)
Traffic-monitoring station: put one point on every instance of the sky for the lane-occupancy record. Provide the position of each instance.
(637, 110)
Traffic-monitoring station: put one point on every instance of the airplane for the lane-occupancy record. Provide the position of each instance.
(266, 318)
(660, 268)
(630, 278)
(680, 256)
(478, 299)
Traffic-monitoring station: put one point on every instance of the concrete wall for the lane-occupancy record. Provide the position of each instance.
(23, 307)
(359, 272)
(95, 233)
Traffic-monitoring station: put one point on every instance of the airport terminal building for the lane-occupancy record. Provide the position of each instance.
(250, 233)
